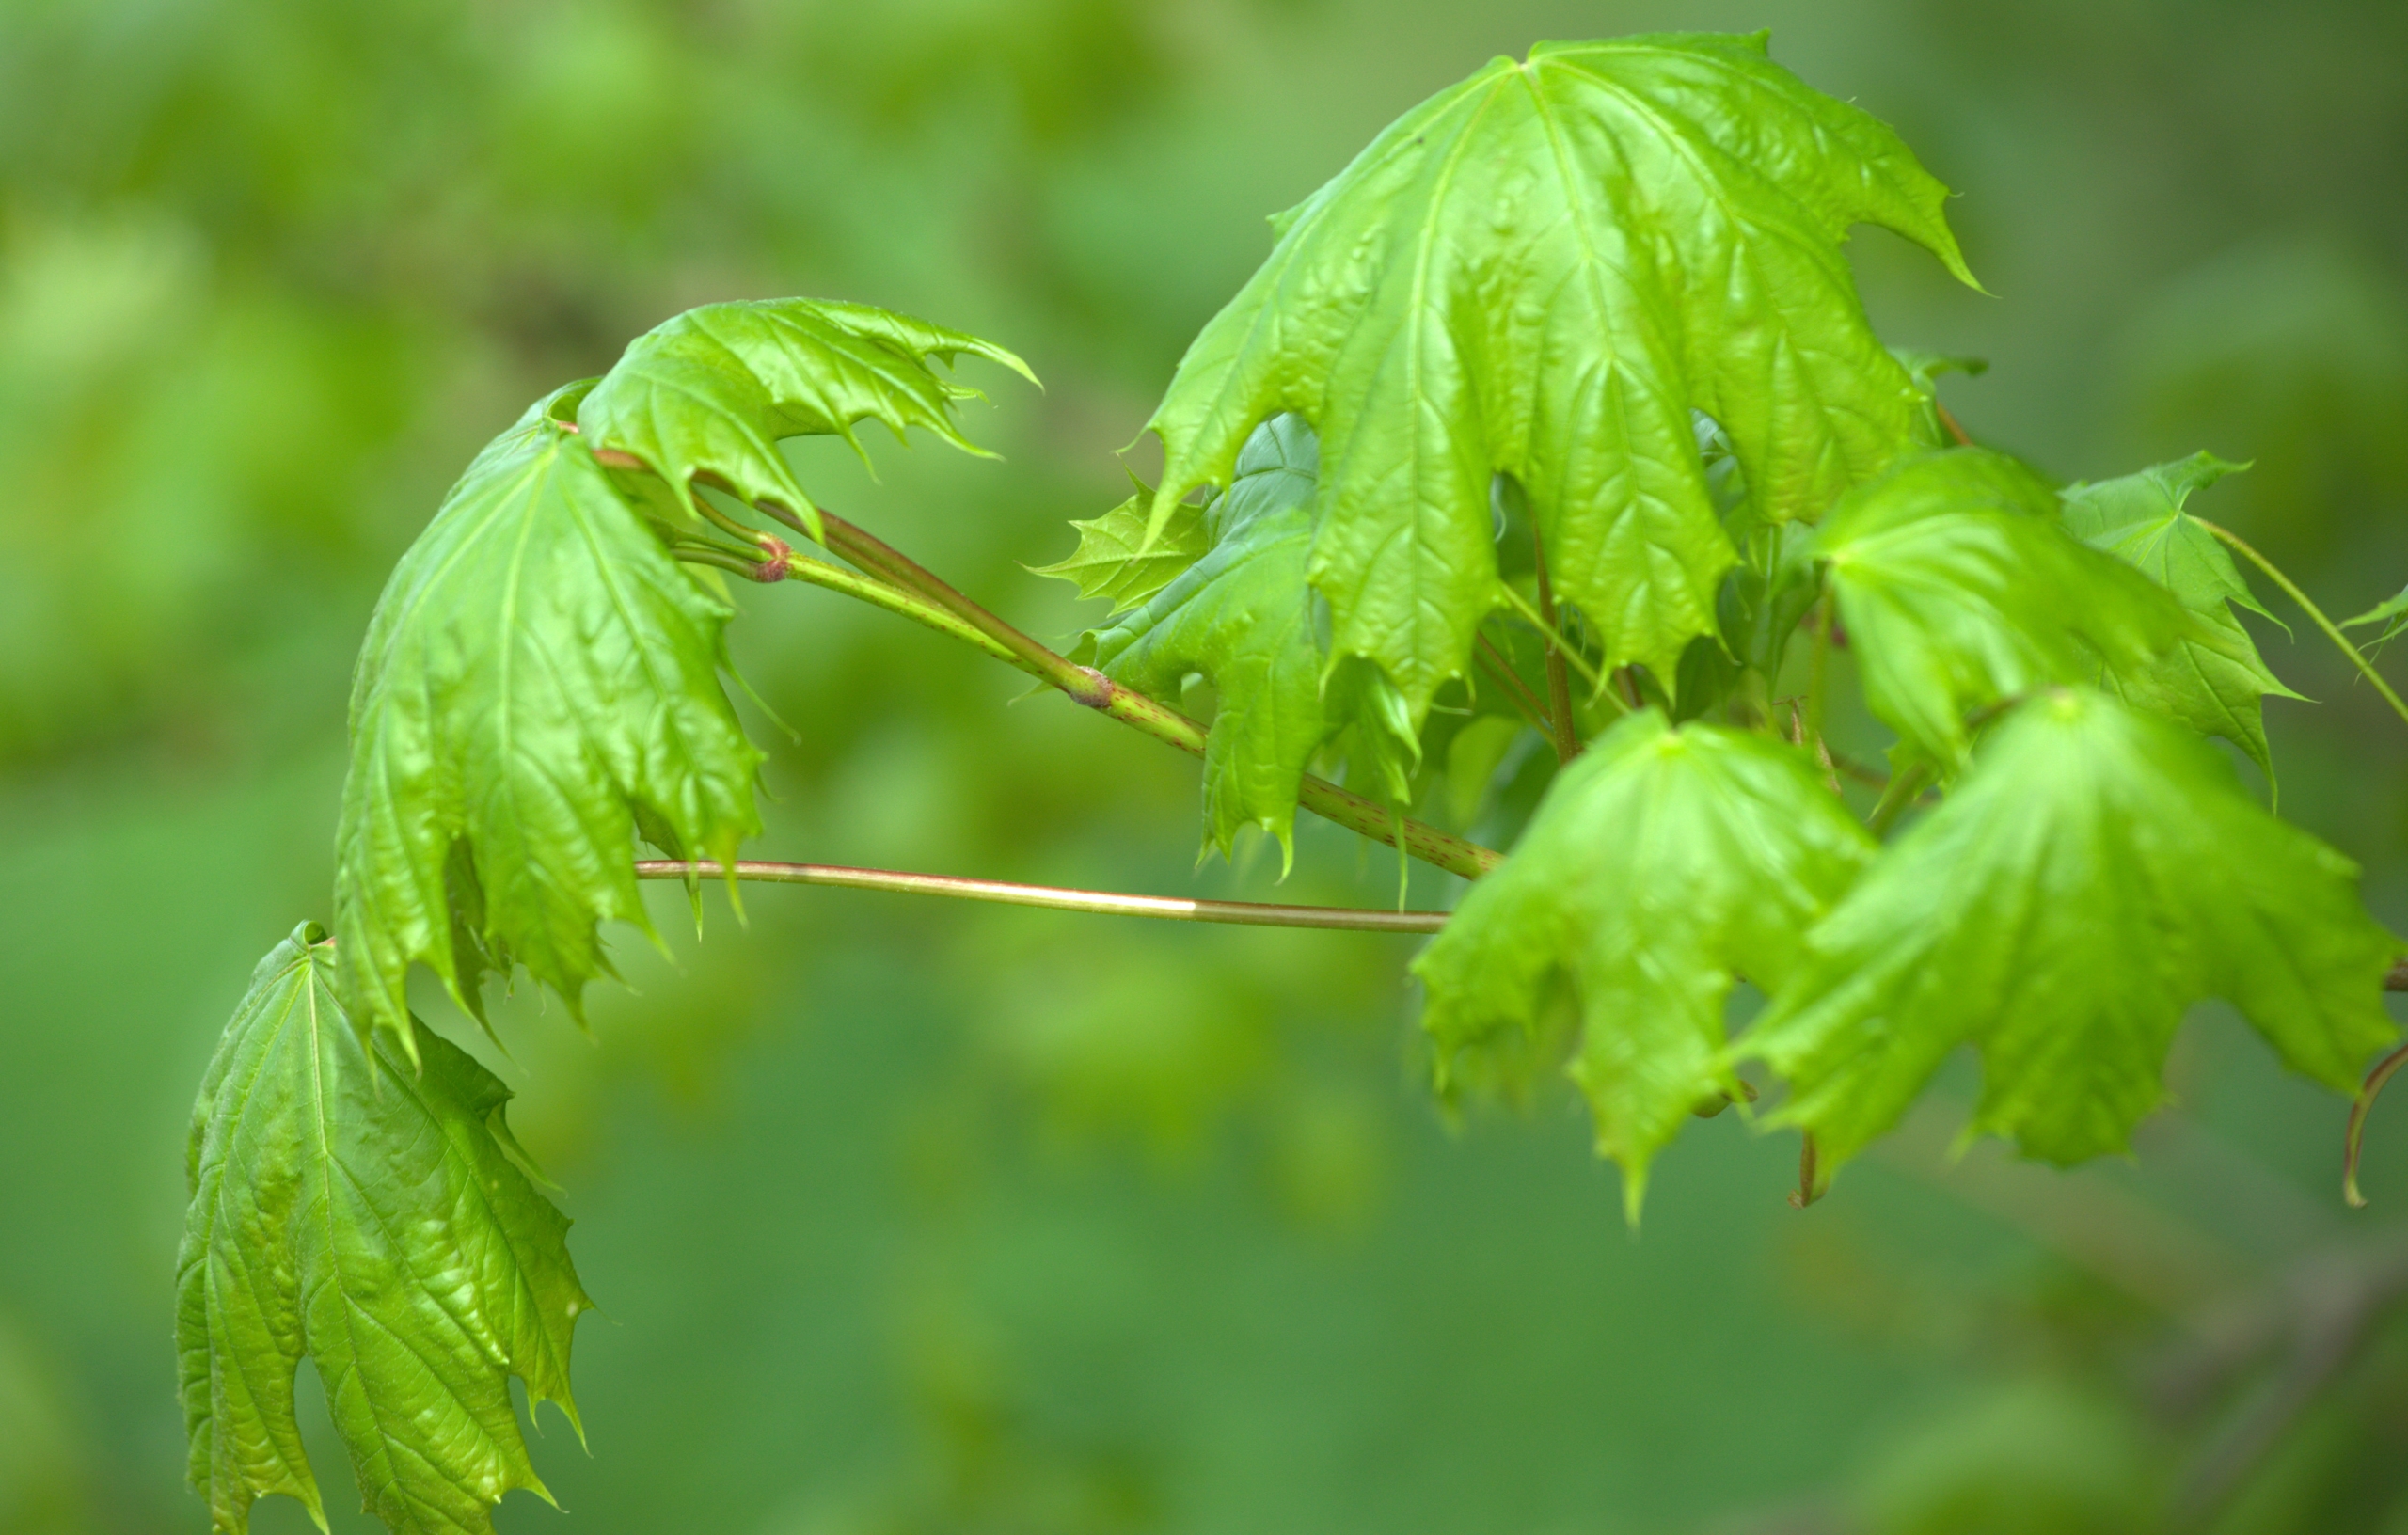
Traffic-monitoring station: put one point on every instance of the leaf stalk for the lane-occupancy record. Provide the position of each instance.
(2331, 632)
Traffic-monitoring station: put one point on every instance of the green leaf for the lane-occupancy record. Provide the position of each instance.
(1541, 272)
(1241, 615)
(1115, 561)
(1473, 757)
(712, 392)
(2392, 614)
(1662, 863)
(539, 681)
(2094, 873)
(2213, 679)
(363, 1208)
(1958, 589)
(1924, 368)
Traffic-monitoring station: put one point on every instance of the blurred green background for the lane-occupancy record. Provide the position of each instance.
(907, 1218)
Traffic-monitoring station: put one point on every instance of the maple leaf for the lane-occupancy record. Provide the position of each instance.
(1960, 590)
(540, 681)
(2212, 679)
(2094, 873)
(1114, 560)
(1241, 615)
(712, 390)
(1541, 272)
(1662, 863)
(366, 1209)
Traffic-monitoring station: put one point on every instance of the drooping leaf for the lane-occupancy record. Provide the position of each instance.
(712, 392)
(364, 1208)
(1241, 615)
(1762, 598)
(1958, 589)
(1542, 272)
(2094, 873)
(1662, 863)
(1115, 562)
(2212, 679)
(540, 681)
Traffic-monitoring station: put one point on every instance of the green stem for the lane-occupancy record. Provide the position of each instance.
(879, 594)
(1555, 640)
(1244, 914)
(2331, 632)
(1902, 790)
(1818, 663)
(1088, 687)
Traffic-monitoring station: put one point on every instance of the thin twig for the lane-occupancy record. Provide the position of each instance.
(2312, 610)
(1807, 1191)
(1559, 683)
(1244, 914)
(2365, 1102)
(1949, 424)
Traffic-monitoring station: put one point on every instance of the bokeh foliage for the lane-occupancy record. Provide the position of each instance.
(914, 1220)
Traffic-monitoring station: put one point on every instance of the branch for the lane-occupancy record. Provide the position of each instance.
(1558, 684)
(1517, 693)
(1086, 686)
(1243, 914)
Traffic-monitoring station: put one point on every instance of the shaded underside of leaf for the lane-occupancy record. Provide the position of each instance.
(2212, 679)
(360, 1208)
(1242, 616)
(2096, 873)
(1661, 864)
(1542, 272)
(1959, 588)
(712, 390)
(540, 679)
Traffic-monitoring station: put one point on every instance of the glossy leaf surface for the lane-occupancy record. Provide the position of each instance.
(2212, 679)
(1541, 272)
(712, 390)
(363, 1209)
(540, 681)
(1115, 562)
(2094, 873)
(1958, 590)
(1662, 863)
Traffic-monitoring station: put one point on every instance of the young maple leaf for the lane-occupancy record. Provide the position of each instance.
(368, 1211)
(540, 681)
(1542, 272)
(2094, 873)
(2213, 680)
(1661, 864)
